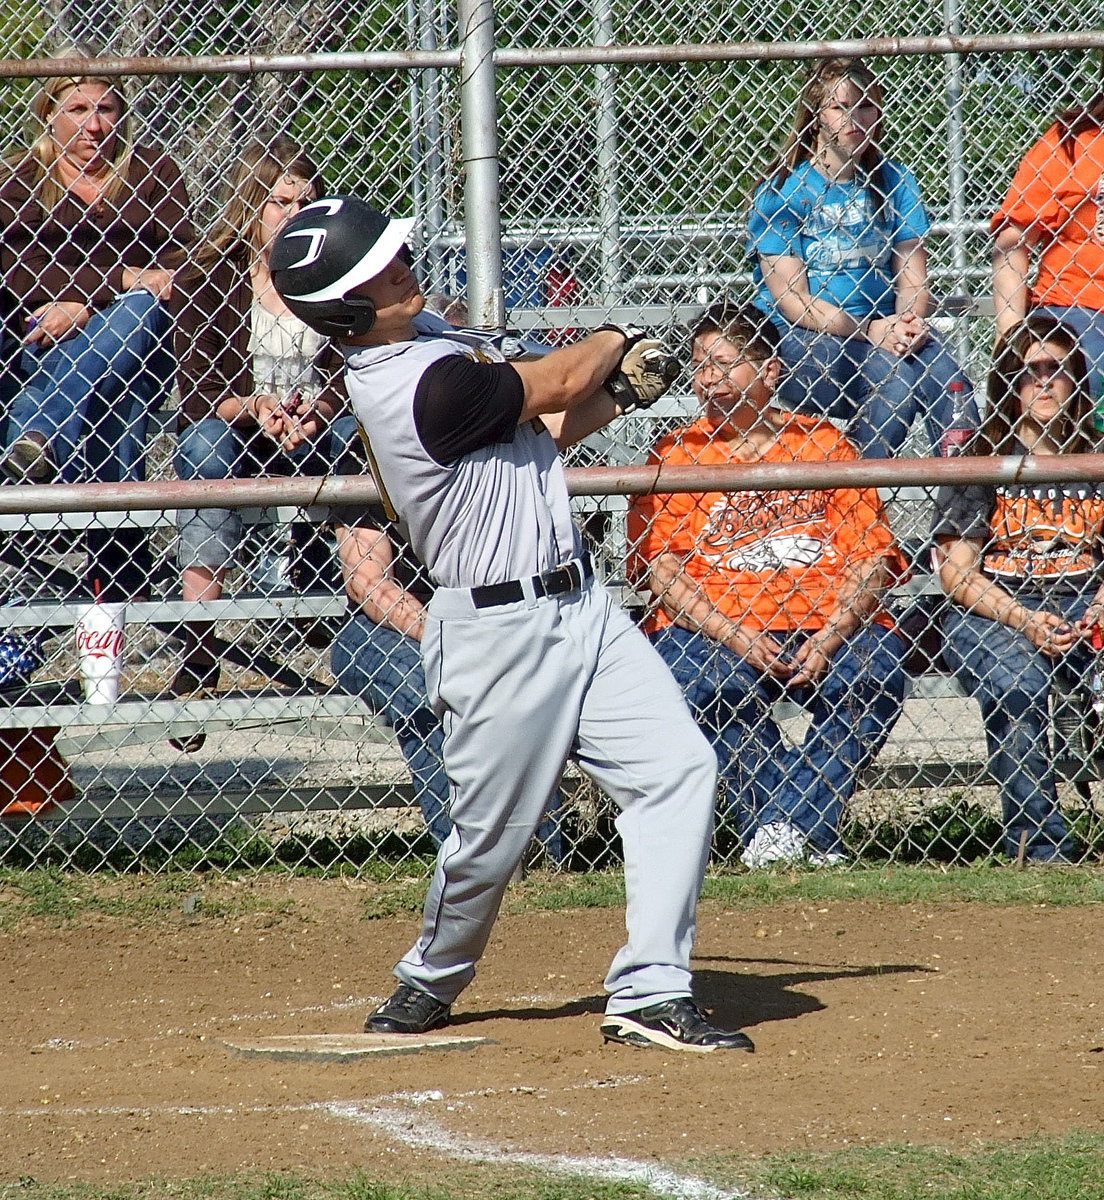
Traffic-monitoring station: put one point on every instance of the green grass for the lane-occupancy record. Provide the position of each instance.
(1069, 1168)
(489, 1185)
(984, 883)
(65, 898)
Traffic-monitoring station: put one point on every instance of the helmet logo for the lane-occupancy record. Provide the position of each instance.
(313, 252)
(330, 205)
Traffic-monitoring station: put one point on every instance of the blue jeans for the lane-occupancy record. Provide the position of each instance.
(1088, 324)
(876, 393)
(854, 706)
(91, 395)
(214, 449)
(385, 668)
(1011, 680)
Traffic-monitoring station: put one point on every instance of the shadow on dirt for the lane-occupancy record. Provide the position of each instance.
(751, 999)
(735, 1000)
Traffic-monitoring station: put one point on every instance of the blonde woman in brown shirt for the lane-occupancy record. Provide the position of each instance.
(88, 225)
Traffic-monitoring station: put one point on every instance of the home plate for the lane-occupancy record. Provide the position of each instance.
(348, 1047)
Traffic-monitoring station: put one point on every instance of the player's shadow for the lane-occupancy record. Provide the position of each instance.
(752, 999)
(736, 1000)
(569, 1008)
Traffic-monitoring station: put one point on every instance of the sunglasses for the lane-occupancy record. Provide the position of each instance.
(1040, 371)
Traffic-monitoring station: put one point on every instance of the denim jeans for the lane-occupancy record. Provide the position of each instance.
(853, 706)
(1088, 324)
(385, 667)
(215, 449)
(878, 394)
(1012, 681)
(91, 395)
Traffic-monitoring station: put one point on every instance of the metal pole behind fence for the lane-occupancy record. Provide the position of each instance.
(956, 174)
(478, 114)
(609, 194)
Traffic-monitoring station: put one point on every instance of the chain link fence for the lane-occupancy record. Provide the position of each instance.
(259, 720)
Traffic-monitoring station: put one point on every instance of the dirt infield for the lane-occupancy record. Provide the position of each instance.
(948, 1024)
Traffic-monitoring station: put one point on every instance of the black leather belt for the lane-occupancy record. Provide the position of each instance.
(557, 582)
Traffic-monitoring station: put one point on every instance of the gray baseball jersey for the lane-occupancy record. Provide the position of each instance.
(526, 670)
(498, 513)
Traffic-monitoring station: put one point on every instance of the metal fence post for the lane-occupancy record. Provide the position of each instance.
(609, 193)
(479, 139)
(956, 170)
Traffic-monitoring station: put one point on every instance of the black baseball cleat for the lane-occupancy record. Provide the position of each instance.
(408, 1011)
(673, 1025)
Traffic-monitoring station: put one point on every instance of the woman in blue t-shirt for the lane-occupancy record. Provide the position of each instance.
(837, 231)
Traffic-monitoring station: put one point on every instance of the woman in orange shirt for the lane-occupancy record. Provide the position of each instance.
(1055, 208)
(764, 595)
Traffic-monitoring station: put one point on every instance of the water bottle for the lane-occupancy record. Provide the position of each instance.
(962, 428)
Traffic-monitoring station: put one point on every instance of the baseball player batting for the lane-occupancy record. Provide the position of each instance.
(528, 660)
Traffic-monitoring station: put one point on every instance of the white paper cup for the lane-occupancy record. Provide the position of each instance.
(100, 634)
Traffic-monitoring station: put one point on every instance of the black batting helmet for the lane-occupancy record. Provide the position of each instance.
(325, 251)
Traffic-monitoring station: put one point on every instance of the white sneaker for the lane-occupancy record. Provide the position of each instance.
(823, 858)
(778, 842)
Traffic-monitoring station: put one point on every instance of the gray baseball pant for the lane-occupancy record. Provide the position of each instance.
(520, 688)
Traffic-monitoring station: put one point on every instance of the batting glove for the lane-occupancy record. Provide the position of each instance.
(647, 370)
(631, 333)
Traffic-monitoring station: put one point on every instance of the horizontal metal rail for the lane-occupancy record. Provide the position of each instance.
(552, 56)
(354, 491)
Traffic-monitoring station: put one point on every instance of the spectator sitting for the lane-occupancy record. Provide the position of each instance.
(1056, 205)
(1022, 564)
(89, 222)
(764, 595)
(377, 655)
(259, 390)
(837, 230)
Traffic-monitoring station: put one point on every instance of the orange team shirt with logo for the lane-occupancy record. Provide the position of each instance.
(774, 559)
(1062, 198)
(1046, 534)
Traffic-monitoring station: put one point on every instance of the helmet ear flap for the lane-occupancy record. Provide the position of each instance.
(348, 317)
(363, 311)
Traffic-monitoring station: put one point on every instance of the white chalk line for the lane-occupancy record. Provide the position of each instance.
(407, 1124)
(400, 1115)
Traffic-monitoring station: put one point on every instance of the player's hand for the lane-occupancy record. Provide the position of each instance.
(631, 333)
(647, 370)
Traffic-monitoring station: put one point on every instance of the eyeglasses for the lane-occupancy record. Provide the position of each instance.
(710, 363)
(1040, 371)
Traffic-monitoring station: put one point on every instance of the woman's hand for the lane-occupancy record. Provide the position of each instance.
(813, 656)
(760, 651)
(289, 423)
(1050, 634)
(154, 280)
(53, 323)
(901, 335)
(1093, 617)
(265, 410)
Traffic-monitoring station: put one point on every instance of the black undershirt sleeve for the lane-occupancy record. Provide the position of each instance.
(462, 405)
